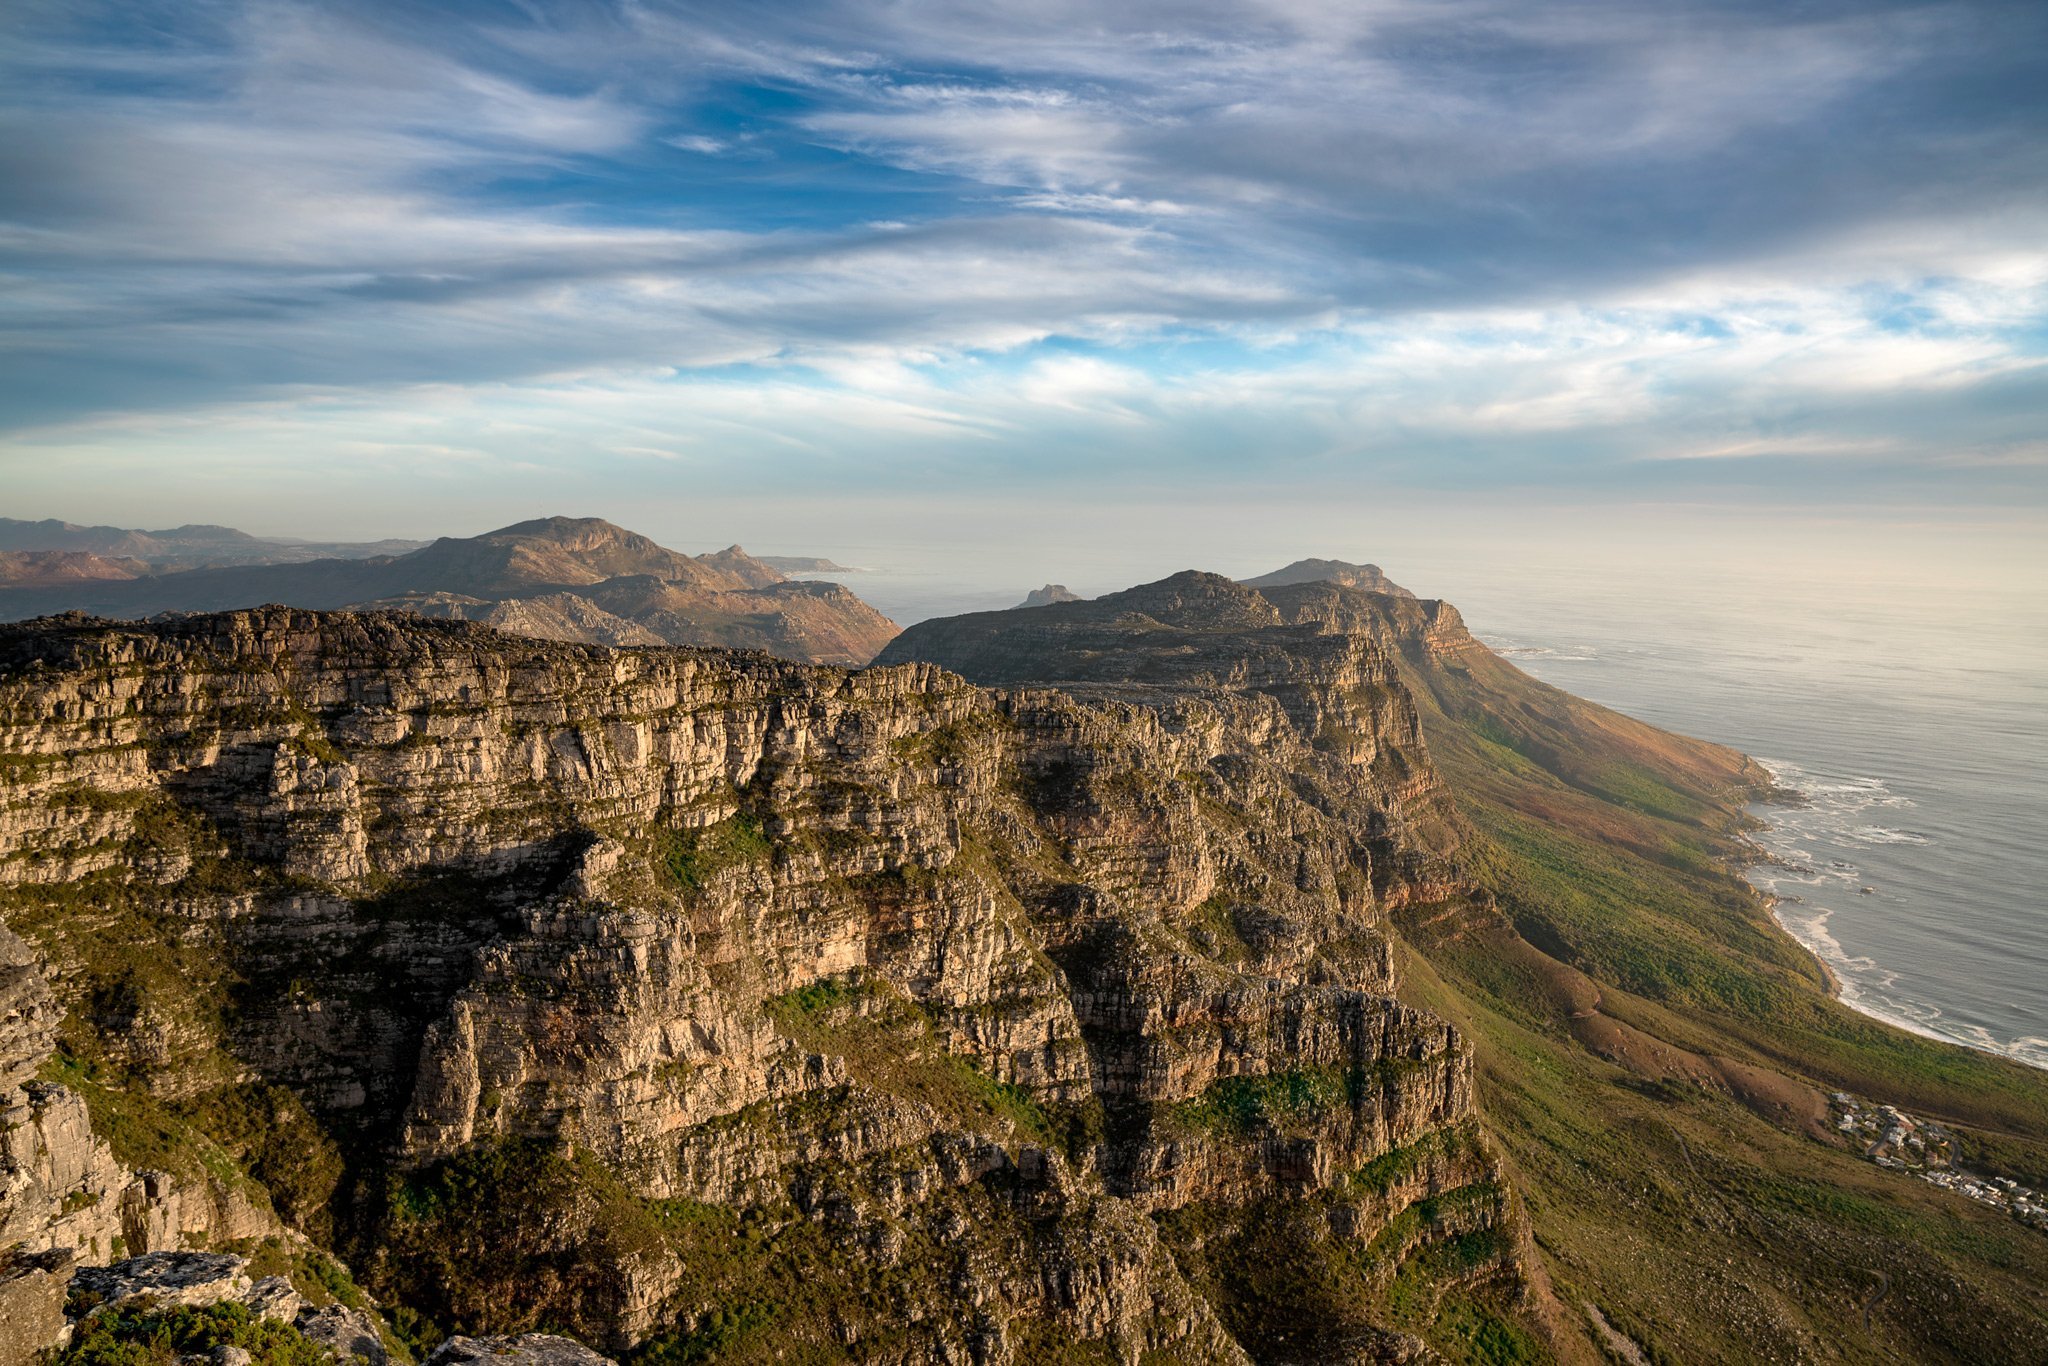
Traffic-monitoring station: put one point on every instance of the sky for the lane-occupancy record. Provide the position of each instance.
(369, 269)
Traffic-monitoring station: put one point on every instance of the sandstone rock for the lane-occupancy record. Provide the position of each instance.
(346, 1333)
(894, 959)
(274, 1297)
(530, 1349)
(32, 1293)
(165, 1278)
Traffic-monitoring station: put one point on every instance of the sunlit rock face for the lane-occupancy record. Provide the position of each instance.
(966, 995)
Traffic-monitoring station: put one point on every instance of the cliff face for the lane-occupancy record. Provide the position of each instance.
(606, 986)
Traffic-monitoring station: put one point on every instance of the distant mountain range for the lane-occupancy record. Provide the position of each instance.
(807, 564)
(176, 548)
(562, 578)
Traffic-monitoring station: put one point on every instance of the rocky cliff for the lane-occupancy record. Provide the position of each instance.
(701, 998)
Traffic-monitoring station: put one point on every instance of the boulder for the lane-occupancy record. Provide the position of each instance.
(167, 1278)
(32, 1293)
(274, 1298)
(528, 1349)
(346, 1333)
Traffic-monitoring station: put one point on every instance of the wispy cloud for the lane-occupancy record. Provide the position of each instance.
(1417, 242)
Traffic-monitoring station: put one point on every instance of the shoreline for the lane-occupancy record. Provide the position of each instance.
(1843, 992)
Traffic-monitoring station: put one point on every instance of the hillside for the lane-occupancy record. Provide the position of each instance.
(1654, 1053)
(183, 547)
(691, 998)
(557, 577)
(1199, 973)
(43, 568)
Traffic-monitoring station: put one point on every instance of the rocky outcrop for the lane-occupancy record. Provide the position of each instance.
(529, 1349)
(646, 976)
(165, 1279)
(160, 1282)
(33, 1288)
(1048, 595)
(349, 1335)
(64, 1189)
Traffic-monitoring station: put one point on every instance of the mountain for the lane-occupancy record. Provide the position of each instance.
(1367, 577)
(182, 547)
(804, 564)
(41, 568)
(1653, 1053)
(1202, 973)
(1046, 596)
(558, 577)
(693, 998)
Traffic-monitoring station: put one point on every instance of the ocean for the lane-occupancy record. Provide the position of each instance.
(1894, 674)
(1914, 725)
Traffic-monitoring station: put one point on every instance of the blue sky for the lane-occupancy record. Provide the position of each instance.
(279, 259)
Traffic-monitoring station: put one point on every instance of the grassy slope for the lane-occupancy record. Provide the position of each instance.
(1652, 1050)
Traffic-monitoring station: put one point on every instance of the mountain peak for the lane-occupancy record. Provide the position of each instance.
(1048, 595)
(1197, 599)
(582, 530)
(1368, 577)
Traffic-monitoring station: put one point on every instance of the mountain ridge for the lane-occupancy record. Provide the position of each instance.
(1201, 973)
(1368, 577)
(521, 577)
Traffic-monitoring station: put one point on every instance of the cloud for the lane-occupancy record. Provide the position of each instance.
(1558, 242)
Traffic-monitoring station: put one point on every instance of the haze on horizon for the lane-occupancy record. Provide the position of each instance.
(379, 269)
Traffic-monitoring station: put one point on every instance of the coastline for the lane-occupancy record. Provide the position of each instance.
(1757, 856)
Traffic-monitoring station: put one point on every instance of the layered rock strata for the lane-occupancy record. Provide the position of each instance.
(1016, 999)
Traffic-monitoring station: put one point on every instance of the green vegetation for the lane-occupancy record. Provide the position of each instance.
(1292, 1280)
(719, 1333)
(143, 1132)
(319, 1278)
(690, 858)
(271, 1135)
(141, 1337)
(1389, 1169)
(1213, 927)
(890, 1042)
(1651, 1049)
(1472, 1330)
(1239, 1106)
(513, 1236)
(952, 743)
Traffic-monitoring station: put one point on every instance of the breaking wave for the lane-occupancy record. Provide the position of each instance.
(1804, 842)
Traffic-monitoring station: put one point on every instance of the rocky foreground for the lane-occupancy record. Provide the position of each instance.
(685, 997)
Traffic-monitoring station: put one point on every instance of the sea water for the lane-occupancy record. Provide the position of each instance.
(1912, 725)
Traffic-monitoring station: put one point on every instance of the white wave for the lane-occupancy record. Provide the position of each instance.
(1802, 840)
(1877, 834)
